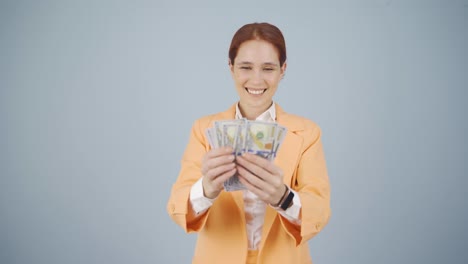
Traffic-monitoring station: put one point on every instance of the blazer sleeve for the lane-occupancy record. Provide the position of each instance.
(178, 206)
(310, 180)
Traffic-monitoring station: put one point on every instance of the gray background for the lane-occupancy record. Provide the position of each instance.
(97, 99)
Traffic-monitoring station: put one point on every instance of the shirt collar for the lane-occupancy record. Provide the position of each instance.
(268, 116)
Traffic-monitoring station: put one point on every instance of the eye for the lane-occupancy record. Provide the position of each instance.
(268, 69)
(245, 67)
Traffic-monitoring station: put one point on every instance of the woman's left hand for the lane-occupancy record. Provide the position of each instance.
(261, 177)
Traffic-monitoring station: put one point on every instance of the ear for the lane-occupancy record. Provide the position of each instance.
(283, 69)
(231, 67)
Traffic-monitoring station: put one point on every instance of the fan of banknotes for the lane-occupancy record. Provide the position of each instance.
(259, 138)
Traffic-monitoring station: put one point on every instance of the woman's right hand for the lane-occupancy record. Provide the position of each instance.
(217, 166)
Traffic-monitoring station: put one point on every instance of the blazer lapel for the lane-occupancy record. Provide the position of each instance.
(289, 151)
(288, 156)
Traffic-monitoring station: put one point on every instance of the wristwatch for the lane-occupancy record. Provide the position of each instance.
(288, 201)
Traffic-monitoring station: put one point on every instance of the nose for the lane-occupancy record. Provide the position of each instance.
(257, 77)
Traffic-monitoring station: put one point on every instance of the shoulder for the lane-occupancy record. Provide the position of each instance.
(295, 123)
(301, 126)
(208, 120)
(205, 121)
(300, 121)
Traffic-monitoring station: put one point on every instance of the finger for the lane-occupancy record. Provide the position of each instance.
(219, 152)
(256, 190)
(224, 177)
(211, 188)
(215, 162)
(254, 168)
(271, 181)
(212, 174)
(261, 162)
(213, 153)
(218, 161)
(254, 180)
(250, 186)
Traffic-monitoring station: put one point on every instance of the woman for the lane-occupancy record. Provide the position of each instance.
(287, 201)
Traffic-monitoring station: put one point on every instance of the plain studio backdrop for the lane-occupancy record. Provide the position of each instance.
(97, 99)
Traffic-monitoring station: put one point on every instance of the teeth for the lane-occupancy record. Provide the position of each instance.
(255, 91)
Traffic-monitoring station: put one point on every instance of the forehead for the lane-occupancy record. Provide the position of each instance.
(257, 51)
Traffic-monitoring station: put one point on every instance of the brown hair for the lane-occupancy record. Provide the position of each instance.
(258, 31)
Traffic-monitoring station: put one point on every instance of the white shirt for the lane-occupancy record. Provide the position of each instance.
(254, 207)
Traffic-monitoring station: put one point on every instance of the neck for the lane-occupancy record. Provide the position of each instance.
(251, 113)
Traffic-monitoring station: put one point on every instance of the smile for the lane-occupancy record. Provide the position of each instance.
(255, 92)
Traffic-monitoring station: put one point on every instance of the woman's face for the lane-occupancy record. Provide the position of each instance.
(256, 73)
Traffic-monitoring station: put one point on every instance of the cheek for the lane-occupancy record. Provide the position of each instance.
(240, 78)
(274, 80)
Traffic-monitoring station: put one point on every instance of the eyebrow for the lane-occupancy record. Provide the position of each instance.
(265, 64)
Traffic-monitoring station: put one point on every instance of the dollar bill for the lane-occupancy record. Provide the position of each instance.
(260, 138)
(279, 137)
(212, 138)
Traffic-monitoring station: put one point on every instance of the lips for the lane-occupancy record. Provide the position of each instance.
(255, 91)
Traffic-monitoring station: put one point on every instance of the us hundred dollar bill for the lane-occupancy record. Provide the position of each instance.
(260, 138)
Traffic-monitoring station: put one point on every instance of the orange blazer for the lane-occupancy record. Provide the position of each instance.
(221, 230)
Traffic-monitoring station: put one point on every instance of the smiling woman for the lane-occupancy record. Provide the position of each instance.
(285, 202)
(257, 58)
(256, 73)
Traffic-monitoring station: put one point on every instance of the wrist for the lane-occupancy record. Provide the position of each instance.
(285, 193)
(286, 201)
(209, 194)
